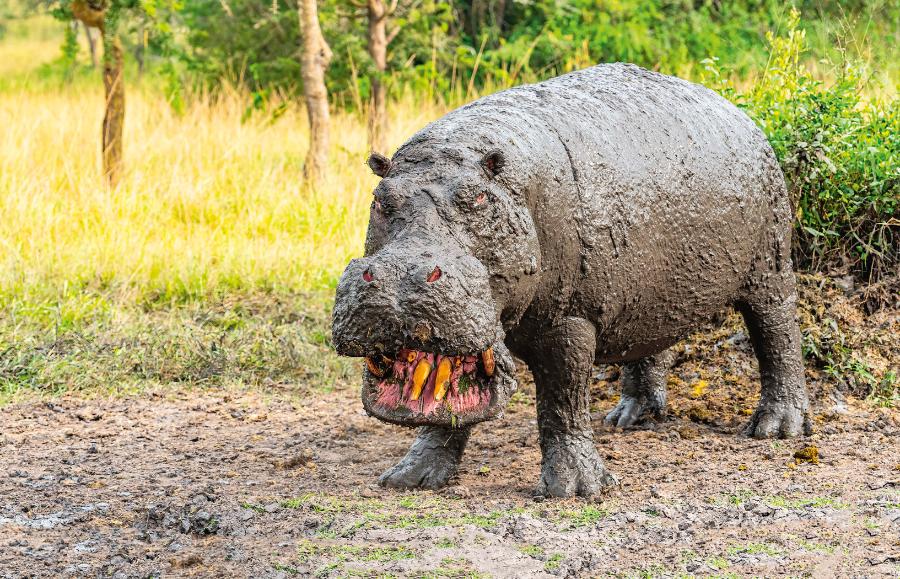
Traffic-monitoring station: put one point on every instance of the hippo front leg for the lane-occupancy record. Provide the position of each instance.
(432, 459)
(561, 361)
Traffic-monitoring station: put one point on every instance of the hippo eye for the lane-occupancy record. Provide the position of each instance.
(386, 204)
(481, 199)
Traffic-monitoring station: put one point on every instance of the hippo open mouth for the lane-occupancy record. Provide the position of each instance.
(415, 387)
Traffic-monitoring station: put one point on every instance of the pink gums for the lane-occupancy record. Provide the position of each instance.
(394, 392)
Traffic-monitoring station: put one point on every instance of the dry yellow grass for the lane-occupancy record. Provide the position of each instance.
(208, 202)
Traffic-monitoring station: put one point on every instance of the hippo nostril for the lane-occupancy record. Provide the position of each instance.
(434, 275)
(367, 276)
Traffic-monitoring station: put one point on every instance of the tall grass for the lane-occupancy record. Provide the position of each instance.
(212, 216)
(208, 202)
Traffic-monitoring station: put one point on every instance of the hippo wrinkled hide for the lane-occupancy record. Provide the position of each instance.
(597, 217)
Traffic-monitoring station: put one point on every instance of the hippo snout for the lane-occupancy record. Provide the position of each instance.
(429, 329)
(427, 301)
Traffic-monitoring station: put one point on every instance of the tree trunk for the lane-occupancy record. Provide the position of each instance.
(314, 62)
(139, 50)
(95, 14)
(91, 45)
(378, 41)
(114, 119)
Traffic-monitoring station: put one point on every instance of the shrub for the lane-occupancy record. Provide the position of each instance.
(840, 152)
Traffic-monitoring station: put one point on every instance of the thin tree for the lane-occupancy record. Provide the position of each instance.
(105, 15)
(379, 13)
(91, 45)
(314, 62)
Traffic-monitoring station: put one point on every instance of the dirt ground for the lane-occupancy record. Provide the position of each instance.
(216, 486)
(203, 483)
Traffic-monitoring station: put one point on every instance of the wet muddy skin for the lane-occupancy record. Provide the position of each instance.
(597, 217)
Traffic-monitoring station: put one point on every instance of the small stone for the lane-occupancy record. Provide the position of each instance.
(271, 507)
(458, 491)
(762, 510)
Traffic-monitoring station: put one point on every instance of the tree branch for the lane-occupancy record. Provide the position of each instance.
(392, 35)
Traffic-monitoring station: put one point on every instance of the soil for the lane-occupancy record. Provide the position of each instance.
(201, 483)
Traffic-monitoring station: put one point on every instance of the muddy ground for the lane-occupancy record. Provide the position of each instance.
(205, 483)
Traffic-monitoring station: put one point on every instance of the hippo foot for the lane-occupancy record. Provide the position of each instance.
(778, 420)
(572, 466)
(631, 409)
(431, 461)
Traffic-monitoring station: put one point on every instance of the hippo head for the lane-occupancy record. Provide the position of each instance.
(451, 260)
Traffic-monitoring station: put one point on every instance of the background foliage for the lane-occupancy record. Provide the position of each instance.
(213, 228)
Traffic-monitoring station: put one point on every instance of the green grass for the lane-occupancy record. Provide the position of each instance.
(412, 511)
(366, 560)
(755, 549)
(96, 344)
(740, 497)
(532, 551)
(583, 517)
(553, 562)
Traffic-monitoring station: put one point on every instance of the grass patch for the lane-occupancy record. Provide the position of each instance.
(805, 503)
(532, 551)
(740, 497)
(717, 562)
(105, 344)
(755, 549)
(553, 562)
(252, 507)
(583, 517)
(412, 512)
(336, 555)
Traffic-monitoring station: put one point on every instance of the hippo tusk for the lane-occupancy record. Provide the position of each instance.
(420, 375)
(442, 379)
(488, 358)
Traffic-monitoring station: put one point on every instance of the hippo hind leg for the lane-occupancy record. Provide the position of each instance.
(561, 361)
(643, 390)
(769, 313)
(430, 462)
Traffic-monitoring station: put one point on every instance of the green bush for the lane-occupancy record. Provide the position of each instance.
(839, 146)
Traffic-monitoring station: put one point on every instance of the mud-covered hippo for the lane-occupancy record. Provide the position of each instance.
(597, 217)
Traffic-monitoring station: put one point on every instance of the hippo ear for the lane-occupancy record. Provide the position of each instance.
(379, 164)
(493, 162)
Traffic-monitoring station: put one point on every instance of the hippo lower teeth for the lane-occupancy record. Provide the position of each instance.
(423, 382)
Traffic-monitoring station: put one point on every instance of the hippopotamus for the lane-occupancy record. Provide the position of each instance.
(598, 217)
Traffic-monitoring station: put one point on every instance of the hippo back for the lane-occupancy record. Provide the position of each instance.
(654, 197)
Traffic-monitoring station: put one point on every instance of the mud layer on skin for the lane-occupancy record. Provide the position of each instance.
(427, 384)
